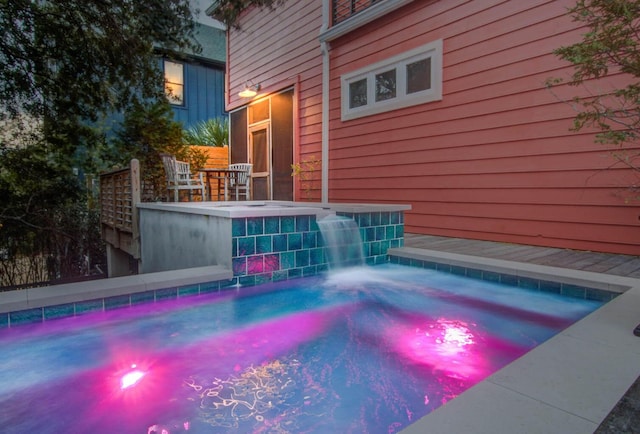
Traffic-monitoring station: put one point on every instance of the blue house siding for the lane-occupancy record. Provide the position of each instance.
(203, 94)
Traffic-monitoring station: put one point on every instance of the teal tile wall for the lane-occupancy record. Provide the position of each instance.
(117, 302)
(26, 316)
(380, 231)
(278, 248)
(59, 311)
(48, 313)
(541, 285)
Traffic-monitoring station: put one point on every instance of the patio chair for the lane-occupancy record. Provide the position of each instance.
(241, 183)
(179, 177)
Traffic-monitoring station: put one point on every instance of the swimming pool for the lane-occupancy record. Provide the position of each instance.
(364, 350)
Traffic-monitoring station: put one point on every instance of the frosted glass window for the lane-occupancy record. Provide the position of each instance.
(386, 85)
(174, 82)
(419, 76)
(404, 80)
(358, 93)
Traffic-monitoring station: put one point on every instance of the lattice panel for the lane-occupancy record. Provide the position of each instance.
(116, 200)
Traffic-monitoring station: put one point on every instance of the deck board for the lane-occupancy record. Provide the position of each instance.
(607, 263)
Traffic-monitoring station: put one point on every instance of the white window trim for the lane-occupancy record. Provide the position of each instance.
(399, 62)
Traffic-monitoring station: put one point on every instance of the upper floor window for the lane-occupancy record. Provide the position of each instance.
(174, 82)
(343, 9)
(411, 78)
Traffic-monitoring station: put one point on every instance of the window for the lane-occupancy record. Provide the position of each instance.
(174, 82)
(386, 85)
(411, 78)
(358, 93)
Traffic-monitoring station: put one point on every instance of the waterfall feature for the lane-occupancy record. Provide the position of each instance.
(342, 238)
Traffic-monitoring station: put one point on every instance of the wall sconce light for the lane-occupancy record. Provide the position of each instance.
(249, 91)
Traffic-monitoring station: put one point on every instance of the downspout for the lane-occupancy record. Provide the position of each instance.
(227, 79)
(324, 48)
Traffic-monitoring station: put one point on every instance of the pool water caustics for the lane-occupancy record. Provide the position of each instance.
(361, 350)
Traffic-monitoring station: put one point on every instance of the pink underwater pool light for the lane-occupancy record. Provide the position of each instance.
(131, 378)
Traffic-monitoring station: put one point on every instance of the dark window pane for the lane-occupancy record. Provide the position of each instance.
(386, 85)
(358, 93)
(419, 75)
(259, 112)
(259, 142)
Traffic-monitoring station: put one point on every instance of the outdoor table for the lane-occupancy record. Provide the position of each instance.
(223, 176)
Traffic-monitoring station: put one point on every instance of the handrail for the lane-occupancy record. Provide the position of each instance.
(343, 9)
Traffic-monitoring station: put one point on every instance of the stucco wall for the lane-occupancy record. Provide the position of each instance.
(175, 240)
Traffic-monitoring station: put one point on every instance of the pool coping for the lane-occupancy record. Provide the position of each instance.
(101, 290)
(568, 384)
(267, 208)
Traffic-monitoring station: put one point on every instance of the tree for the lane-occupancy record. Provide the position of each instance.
(47, 229)
(69, 62)
(64, 65)
(228, 11)
(611, 45)
(148, 130)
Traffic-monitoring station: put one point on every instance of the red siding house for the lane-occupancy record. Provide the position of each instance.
(438, 104)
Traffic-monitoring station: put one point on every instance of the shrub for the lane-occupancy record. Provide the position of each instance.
(213, 132)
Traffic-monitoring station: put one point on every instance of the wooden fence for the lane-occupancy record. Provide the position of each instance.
(217, 157)
(119, 194)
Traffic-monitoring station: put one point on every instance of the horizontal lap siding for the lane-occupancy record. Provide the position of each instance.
(279, 47)
(495, 158)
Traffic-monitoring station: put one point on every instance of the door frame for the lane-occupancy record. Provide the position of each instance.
(260, 126)
(281, 184)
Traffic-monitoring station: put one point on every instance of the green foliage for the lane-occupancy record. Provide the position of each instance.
(64, 66)
(70, 62)
(228, 11)
(148, 130)
(306, 172)
(611, 45)
(212, 132)
(46, 229)
(611, 40)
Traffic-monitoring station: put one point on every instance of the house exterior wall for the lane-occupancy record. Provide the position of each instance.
(204, 94)
(493, 160)
(279, 49)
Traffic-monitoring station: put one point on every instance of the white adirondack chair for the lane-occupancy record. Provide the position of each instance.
(179, 177)
(241, 183)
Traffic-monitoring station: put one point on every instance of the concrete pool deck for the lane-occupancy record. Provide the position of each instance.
(572, 382)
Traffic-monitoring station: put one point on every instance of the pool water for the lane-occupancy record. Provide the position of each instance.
(363, 350)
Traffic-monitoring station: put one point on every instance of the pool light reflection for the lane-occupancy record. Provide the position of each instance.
(445, 345)
(451, 336)
(131, 378)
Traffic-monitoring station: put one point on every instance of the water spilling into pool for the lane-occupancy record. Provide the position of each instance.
(343, 241)
(363, 350)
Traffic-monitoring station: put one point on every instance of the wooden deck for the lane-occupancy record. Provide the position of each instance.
(607, 263)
